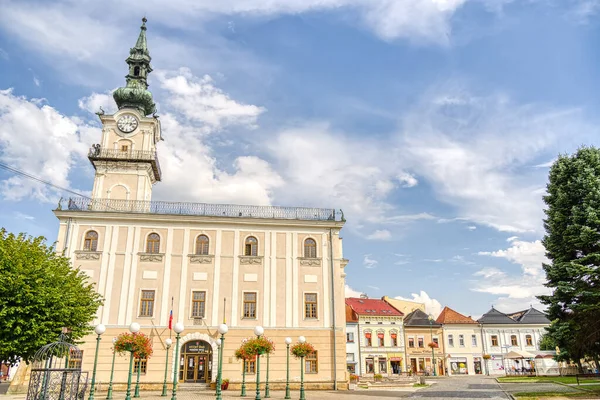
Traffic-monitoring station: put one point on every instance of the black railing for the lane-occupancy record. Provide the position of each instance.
(98, 153)
(201, 209)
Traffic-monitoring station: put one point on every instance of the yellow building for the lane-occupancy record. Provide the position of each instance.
(404, 306)
(278, 267)
(424, 344)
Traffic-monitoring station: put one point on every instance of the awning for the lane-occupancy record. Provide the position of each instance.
(395, 358)
(380, 335)
(515, 354)
(394, 335)
(368, 335)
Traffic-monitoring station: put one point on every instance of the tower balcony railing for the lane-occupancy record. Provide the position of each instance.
(200, 209)
(98, 153)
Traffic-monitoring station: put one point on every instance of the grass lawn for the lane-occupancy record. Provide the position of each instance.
(535, 379)
(590, 392)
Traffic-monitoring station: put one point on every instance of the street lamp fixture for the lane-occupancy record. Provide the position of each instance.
(133, 328)
(302, 340)
(168, 343)
(112, 371)
(100, 329)
(223, 329)
(288, 341)
(258, 331)
(178, 328)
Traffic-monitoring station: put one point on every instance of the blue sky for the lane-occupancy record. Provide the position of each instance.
(431, 123)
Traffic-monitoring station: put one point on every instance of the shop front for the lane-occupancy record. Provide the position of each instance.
(196, 362)
(396, 365)
(458, 366)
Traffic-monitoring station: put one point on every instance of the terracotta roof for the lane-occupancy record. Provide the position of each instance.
(372, 307)
(350, 314)
(449, 316)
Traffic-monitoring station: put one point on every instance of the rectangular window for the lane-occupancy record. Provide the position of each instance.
(494, 340)
(350, 337)
(513, 340)
(250, 305)
(394, 340)
(310, 305)
(137, 363)
(370, 366)
(436, 340)
(461, 340)
(421, 342)
(451, 340)
(411, 342)
(368, 341)
(528, 340)
(75, 357)
(380, 340)
(147, 303)
(382, 366)
(350, 357)
(124, 148)
(474, 340)
(250, 367)
(198, 304)
(311, 366)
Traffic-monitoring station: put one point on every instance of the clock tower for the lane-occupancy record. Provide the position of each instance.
(125, 160)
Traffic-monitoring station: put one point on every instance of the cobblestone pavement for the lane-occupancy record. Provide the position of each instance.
(467, 387)
(537, 387)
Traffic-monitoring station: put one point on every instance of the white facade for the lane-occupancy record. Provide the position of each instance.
(499, 340)
(352, 349)
(464, 350)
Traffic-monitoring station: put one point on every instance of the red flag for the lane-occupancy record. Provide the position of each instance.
(171, 320)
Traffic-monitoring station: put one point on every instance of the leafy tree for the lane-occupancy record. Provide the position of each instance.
(39, 295)
(547, 343)
(572, 243)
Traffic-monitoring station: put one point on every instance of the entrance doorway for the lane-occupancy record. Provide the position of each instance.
(196, 362)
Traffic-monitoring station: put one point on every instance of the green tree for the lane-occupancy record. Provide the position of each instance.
(547, 343)
(572, 243)
(39, 295)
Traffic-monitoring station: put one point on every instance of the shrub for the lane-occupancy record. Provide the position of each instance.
(378, 377)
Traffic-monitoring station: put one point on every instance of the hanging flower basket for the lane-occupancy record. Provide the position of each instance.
(257, 346)
(486, 356)
(302, 349)
(432, 345)
(138, 343)
(241, 354)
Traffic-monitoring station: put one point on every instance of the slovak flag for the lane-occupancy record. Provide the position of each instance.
(171, 320)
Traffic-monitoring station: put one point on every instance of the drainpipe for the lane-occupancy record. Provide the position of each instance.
(358, 343)
(333, 308)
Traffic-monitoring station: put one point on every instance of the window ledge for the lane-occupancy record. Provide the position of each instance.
(87, 255)
(151, 257)
(257, 260)
(310, 262)
(201, 258)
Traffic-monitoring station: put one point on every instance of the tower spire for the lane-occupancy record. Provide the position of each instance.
(135, 94)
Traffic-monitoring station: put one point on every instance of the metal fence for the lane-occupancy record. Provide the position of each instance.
(201, 209)
(98, 153)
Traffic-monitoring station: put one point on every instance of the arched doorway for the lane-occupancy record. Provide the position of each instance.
(195, 363)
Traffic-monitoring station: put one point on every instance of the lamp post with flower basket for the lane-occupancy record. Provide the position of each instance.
(432, 345)
(138, 345)
(254, 348)
(241, 354)
(301, 350)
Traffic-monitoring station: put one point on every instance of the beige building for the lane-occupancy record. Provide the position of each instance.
(422, 332)
(278, 267)
(404, 306)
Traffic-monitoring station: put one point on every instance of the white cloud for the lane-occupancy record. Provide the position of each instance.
(530, 255)
(432, 306)
(97, 101)
(382, 234)
(20, 215)
(407, 180)
(373, 287)
(547, 164)
(471, 227)
(368, 262)
(37, 82)
(510, 239)
(349, 292)
(435, 260)
(37, 139)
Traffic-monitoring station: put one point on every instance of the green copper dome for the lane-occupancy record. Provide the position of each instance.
(135, 93)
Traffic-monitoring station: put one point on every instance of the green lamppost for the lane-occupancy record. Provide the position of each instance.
(112, 372)
(267, 392)
(223, 329)
(258, 331)
(302, 339)
(243, 394)
(178, 328)
(432, 345)
(133, 328)
(168, 342)
(136, 393)
(100, 329)
(288, 341)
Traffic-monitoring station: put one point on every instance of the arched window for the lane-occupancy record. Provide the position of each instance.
(310, 248)
(153, 243)
(528, 340)
(91, 241)
(202, 245)
(513, 340)
(251, 248)
(136, 71)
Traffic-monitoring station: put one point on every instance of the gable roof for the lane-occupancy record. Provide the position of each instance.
(372, 307)
(531, 316)
(419, 318)
(351, 316)
(449, 316)
(496, 317)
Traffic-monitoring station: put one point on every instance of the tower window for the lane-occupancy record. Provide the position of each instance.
(124, 148)
(202, 245)
(251, 248)
(91, 241)
(310, 248)
(136, 71)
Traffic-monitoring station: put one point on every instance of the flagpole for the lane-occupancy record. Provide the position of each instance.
(171, 316)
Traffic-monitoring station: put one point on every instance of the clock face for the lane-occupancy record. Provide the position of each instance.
(127, 123)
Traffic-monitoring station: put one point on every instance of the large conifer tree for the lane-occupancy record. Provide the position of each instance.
(572, 243)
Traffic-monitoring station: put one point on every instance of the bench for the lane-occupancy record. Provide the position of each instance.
(583, 377)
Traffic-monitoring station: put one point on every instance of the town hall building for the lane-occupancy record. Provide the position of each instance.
(278, 267)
